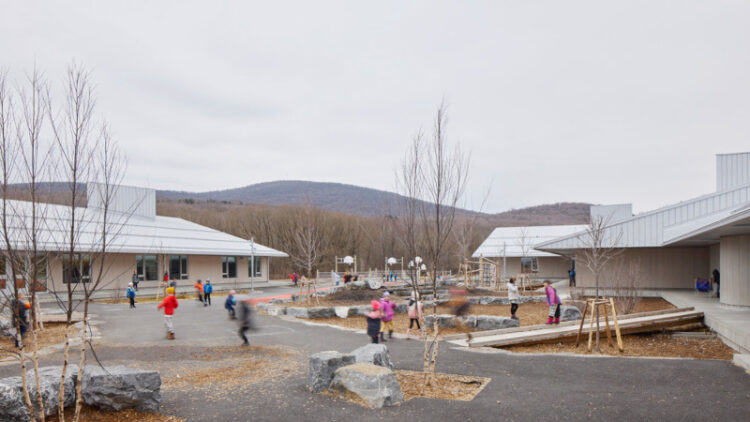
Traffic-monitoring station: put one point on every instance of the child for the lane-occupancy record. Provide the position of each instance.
(169, 304)
(387, 308)
(20, 317)
(136, 279)
(229, 304)
(199, 289)
(373, 321)
(207, 289)
(130, 293)
(246, 321)
(553, 301)
(513, 297)
(414, 310)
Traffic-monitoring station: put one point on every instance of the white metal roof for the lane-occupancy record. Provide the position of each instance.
(513, 239)
(662, 226)
(128, 234)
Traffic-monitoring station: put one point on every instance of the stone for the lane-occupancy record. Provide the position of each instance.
(262, 306)
(376, 386)
(276, 310)
(493, 300)
(12, 403)
(475, 300)
(322, 366)
(320, 312)
(448, 282)
(376, 354)
(533, 299)
(489, 322)
(297, 312)
(443, 320)
(359, 310)
(119, 387)
(401, 308)
(374, 284)
(341, 311)
(569, 313)
(278, 300)
(359, 284)
(6, 328)
(468, 320)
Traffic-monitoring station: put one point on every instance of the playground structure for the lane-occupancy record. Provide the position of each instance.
(351, 261)
(486, 273)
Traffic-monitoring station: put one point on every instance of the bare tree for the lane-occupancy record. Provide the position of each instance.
(600, 245)
(309, 240)
(623, 279)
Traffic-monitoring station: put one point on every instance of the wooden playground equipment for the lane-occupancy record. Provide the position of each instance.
(308, 288)
(594, 305)
(481, 273)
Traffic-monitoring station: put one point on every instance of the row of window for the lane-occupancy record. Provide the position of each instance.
(147, 267)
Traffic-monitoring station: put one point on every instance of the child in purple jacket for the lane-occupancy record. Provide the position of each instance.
(553, 301)
(388, 309)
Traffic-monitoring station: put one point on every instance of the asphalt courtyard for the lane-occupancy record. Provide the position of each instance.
(523, 387)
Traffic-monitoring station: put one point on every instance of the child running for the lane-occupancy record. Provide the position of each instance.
(553, 301)
(207, 289)
(169, 304)
(513, 297)
(130, 293)
(199, 289)
(414, 310)
(246, 321)
(373, 321)
(387, 308)
(229, 304)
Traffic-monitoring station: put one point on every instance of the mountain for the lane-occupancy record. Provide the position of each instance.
(339, 197)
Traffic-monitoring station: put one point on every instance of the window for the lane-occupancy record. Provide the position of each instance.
(78, 270)
(147, 267)
(229, 266)
(254, 266)
(529, 265)
(178, 267)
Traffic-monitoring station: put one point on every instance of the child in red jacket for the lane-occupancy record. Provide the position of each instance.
(169, 304)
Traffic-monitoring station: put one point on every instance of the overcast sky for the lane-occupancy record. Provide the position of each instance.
(598, 101)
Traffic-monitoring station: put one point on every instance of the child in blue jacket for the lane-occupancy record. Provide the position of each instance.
(207, 289)
(229, 304)
(130, 293)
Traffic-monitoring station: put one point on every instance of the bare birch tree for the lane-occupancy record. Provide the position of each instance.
(309, 239)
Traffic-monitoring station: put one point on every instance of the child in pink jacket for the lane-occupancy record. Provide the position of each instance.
(388, 309)
(553, 301)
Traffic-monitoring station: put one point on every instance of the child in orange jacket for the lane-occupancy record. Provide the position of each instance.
(169, 304)
(199, 289)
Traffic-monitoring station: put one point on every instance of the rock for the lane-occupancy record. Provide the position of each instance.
(276, 310)
(447, 282)
(320, 312)
(359, 284)
(341, 311)
(277, 300)
(468, 320)
(6, 328)
(401, 308)
(533, 299)
(375, 386)
(359, 310)
(12, 404)
(489, 322)
(443, 320)
(297, 312)
(493, 300)
(475, 300)
(322, 367)
(119, 387)
(262, 306)
(374, 284)
(569, 313)
(376, 354)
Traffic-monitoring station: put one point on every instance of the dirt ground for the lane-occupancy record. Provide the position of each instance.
(53, 333)
(443, 386)
(89, 414)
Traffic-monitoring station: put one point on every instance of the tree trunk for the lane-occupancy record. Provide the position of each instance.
(66, 355)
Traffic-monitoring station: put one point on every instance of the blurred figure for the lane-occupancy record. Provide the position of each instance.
(229, 304)
(461, 306)
(245, 320)
(20, 317)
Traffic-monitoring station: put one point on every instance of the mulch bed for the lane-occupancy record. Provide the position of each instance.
(90, 414)
(442, 386)
(52, 334)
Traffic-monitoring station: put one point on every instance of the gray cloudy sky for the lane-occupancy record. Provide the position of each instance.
(594, 101)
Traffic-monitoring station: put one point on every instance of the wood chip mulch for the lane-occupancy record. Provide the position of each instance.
(90, 414)
(52, 334)
(442, 386)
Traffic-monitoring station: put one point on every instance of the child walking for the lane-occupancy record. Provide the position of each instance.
(207, 289)
(414, 310)
(199, 289)
(514, 297)
(553, 301)
(229, 304)
(169, 304)
(373, 321)
(245, 320)
(130, 293)
(387, 308)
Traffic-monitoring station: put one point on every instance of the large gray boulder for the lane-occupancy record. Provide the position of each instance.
(359, 310)
(493, 300)
(376, 386)
(443, 320)
(119, 387)
(359, 284)
(376, 354)
(533, 299)
(569, 313)
(279, 300)
(297, 312)
(341, 311)
(6, 328)
(12, 403)
(320, 312)
(322, 367)
(401, 308)
(374, 284)
(489, 322)
(276, 310)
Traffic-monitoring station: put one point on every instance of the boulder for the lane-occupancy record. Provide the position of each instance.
(359, 310)
(533, 299)
(278, 300)
(359, 284)
(401, 308)
(468, 320)
(475, 300)
(320, 312)
(297, 312)
(443, 320)
(119, 387)
(569, 313)
(262, 306)
(12, 403)
(374, 284)
(341, 311)
(322, 367)
(276, 310)
(376, 354)
(489, 322)
(375, 386)
(493, 300)
(6, 328)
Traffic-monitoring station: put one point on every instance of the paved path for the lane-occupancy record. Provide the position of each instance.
(523, 387)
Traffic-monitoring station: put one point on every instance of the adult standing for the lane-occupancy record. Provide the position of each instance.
(717, 280)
